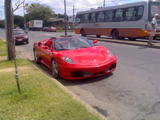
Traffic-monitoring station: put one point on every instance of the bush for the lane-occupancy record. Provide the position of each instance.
(2, 24)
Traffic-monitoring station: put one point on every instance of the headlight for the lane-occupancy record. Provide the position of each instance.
(26, 36)
(109, 53)
(68, 60)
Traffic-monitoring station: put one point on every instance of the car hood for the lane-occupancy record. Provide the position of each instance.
(87, 56)
(19, 35)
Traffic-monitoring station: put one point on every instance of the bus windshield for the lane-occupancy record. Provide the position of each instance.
(154, 9)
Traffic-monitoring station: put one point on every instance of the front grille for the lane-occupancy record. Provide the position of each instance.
(99, 73)
(19, 37)
(80, 74)
(112, 67)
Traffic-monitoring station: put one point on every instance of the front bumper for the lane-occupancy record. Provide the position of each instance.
(83, 72)
(18, 41)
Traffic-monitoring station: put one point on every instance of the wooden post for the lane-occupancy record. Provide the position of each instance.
(9, 30)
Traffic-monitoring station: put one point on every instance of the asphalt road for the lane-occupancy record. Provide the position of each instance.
(132, 92)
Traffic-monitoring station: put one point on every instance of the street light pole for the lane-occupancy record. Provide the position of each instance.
(104, 3)
(65, 14)
(73, 14)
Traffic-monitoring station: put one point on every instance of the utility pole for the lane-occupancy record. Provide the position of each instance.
(9, 38)
(9, 27)
(104, 3)
(73, 14)
(24, 15)
(65, 14)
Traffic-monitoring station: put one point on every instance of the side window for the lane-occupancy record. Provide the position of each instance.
(119, 15)
(93, 18)
(82, 18)
(130, 14)
(86, 18)
(109, 16)
(78, 19)
(100, 17)
(140, 12)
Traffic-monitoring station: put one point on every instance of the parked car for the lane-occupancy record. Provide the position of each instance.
(20, 36)
(74, 57)
(49, 29)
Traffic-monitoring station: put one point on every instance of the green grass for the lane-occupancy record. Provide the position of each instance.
(41, 98)
(20, 62)
(2, 48)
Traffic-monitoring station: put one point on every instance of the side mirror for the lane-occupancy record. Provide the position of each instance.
(94, 41)
(39, 43)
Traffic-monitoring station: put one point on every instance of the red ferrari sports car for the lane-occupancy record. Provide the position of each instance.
(74, 57)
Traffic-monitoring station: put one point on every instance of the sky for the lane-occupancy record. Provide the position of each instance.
(58, 6)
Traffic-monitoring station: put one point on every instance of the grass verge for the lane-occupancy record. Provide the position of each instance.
(41, 98)
(2, 48)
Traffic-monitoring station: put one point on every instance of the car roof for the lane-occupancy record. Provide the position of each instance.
(18, 29)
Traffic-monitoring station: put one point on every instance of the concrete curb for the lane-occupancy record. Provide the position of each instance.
(88, 107)
(135, 43)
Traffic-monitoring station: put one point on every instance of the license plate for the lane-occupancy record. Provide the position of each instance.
(19, 39)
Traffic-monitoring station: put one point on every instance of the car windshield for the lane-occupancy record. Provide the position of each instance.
(72, 43)
(16, 32)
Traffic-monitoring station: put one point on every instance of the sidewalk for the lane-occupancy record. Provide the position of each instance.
(156, 44)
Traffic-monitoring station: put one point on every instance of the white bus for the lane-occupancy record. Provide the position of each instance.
(122, 21)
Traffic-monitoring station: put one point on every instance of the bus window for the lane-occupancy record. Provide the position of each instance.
(78, 19)
(155, 8)
(93, 18)
(109, 16)
(140, 12)
(100, 17)
(86, 18)
(130, 14)
(119, 15)
(82, 18)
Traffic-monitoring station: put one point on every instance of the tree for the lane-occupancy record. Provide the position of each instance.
(60, 15)
(2, 24)
(18, 4)
(36, 11)
(18, 21)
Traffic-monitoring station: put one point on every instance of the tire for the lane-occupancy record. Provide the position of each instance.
(83, 33)
(55, 72)
(132, 39)
(122, 38)
(98, 36)
(115, 34)
(27, 42)
(36, 59)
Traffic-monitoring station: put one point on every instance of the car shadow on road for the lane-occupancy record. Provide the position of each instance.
(72, 82)
(84, 81)
(143, 47)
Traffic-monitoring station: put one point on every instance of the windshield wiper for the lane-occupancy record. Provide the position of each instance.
(84, 47)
